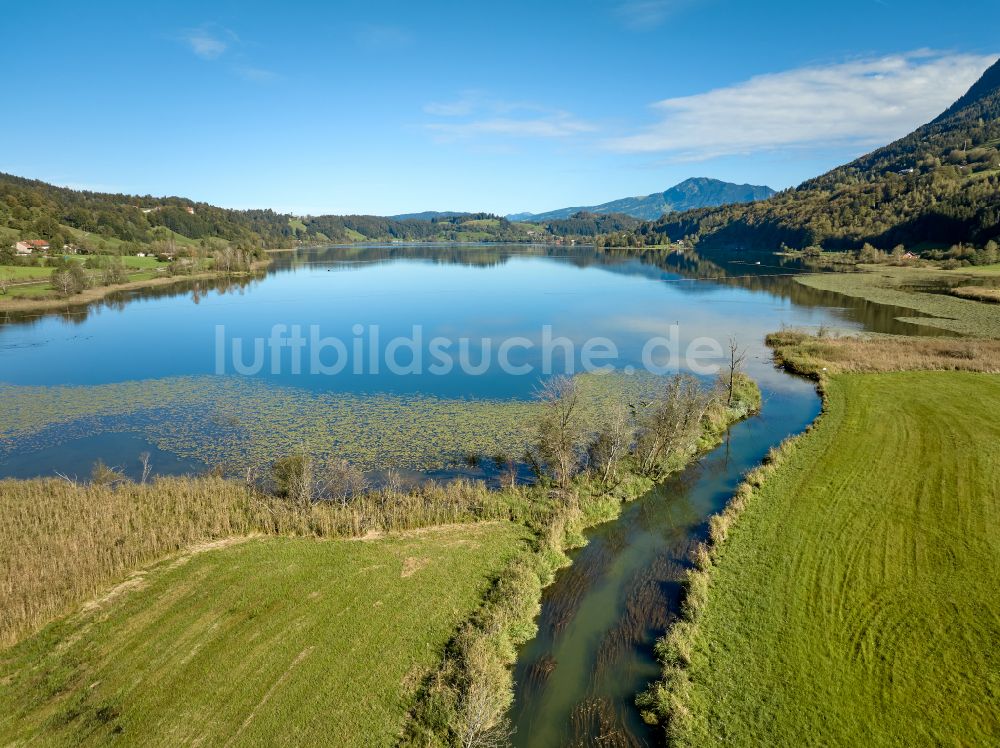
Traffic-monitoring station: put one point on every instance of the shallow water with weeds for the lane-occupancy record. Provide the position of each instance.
(144, 363)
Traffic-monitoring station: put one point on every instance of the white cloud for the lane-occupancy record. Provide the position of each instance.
(640, 15)
(475, 114)
(206, 44)
(859, 103)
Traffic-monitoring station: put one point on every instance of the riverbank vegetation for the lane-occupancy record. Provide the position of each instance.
(847, 594)
(65, 543)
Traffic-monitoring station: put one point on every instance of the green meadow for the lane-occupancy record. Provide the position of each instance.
(855, 600)
(271, 641)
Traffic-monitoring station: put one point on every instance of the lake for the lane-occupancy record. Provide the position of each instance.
(411, 358)
(158, 371)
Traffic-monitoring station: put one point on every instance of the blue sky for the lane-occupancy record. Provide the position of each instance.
(387, 107)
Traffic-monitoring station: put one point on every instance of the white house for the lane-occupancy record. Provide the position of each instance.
(30, 245)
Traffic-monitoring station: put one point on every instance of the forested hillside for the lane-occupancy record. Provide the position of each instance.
(94, 221)
(938, 186)
(30, 209)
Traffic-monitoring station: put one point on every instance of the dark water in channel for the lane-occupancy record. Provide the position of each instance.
(576, 681)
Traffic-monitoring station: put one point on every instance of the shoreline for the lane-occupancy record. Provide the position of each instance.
(923, 290)
(99, 293)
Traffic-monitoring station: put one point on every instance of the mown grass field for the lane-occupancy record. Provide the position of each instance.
(855, 601)
(19, 274)
(262, 642)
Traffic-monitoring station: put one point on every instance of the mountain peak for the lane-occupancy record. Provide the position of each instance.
(696, 192)
(986, 87)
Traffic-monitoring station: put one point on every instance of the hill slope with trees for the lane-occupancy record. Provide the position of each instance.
(938, 186)
(104, 222)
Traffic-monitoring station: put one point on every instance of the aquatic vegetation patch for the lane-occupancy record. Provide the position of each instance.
(235, 422)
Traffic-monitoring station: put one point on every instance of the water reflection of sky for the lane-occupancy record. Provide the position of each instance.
(517, 295)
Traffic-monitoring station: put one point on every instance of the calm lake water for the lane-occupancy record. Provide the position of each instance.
(134, 374)
(131, 375)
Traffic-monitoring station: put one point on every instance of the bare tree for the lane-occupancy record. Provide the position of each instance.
(294, 478)
(339, 481)
(484, 724)
(560, 436)
(670, 424)
(146, 467)
(613, 441)
(4, 285)
(250, 477)
(483, 704)
(508, 474)
(71, 481)
(63, 282)
(737, 357)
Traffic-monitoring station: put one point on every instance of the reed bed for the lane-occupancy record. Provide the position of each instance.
(987, 294)
(816, 356)
(62, 543)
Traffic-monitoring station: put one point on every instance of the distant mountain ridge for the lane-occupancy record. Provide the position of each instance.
(699, 192)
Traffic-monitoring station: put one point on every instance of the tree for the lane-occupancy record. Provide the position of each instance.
(670, 424)
(991, 254)
(737, 357)
(294, 478)
(102, 475)
(81, 280)
(114, 273)
(339, 481)
(147, 466)
(560, 434)
(612, 442)
(63, 282)
(4, 284)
